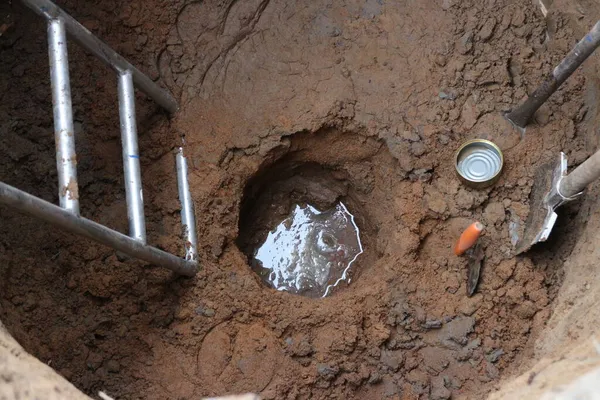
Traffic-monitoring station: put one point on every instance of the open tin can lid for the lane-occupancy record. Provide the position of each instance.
(479, 163)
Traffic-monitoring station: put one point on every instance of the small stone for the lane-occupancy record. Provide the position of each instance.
(448, 95)
(439, 390)
(443, 139)
(432, 324)
(525, 310)
(494, 356)
(417, 148)
(327, 372)
(452, 382)
(209, 312)
(465, 43)
(410, 136)
(422, 175)
(518, 18)
(487, 30)
(492, 371)
(440, 60)
(374, 378)
(506, 203)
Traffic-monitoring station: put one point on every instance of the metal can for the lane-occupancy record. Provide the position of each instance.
(478, 163)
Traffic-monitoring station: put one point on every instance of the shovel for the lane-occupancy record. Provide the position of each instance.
(521, 115)
(553, 188)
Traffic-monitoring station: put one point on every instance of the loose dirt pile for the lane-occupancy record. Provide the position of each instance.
(379, 94)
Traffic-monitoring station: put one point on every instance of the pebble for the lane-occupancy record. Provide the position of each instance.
(526, 310)
(432, 324)
(443, 139)
(439, 390)
(518, 18)
(423, 175)
(374, 378)
(465, 43)
(447, 96)
(327, 372)
(417, 148)
(494, 356)
(410, 136)
(487, 30)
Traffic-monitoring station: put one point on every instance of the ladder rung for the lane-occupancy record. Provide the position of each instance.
(64, 133)
(131, 158)
(67, 215)
(188, 217)
(48, 212)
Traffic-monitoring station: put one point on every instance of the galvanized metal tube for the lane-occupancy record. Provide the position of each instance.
(85, 38)
(36, 207)
(131, 158)
(64, 133)
(188, 217)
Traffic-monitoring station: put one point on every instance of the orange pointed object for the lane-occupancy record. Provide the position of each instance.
(468, 238)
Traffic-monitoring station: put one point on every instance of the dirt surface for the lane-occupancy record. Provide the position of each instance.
(379, 93)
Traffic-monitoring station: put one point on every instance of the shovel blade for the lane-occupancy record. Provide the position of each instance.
(539, 221)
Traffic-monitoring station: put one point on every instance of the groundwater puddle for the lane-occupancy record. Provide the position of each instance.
(310, 251)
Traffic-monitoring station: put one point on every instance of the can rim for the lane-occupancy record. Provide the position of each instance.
(471, 142)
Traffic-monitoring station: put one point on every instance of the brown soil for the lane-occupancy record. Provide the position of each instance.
(379, 94)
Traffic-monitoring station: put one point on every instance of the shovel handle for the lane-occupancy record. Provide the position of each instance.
(521, 115)
(581, 177)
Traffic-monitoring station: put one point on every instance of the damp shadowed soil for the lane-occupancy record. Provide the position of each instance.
(284, 103)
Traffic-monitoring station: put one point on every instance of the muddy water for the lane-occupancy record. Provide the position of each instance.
(310, 251)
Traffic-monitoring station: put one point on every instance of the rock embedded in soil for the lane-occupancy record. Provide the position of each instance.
(465, 43)
(526, 310)
(487, 30)
(327, 372)
(439, 390)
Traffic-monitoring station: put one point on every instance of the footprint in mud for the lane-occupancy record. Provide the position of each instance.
(239, 362)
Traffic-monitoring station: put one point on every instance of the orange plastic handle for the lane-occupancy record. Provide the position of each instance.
(468, 238)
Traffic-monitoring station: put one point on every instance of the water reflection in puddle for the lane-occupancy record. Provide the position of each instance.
(310, 251)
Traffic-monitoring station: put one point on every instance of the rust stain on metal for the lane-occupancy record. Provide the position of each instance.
(73, 189)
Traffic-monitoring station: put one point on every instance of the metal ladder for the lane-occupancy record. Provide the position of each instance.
(67, 215)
